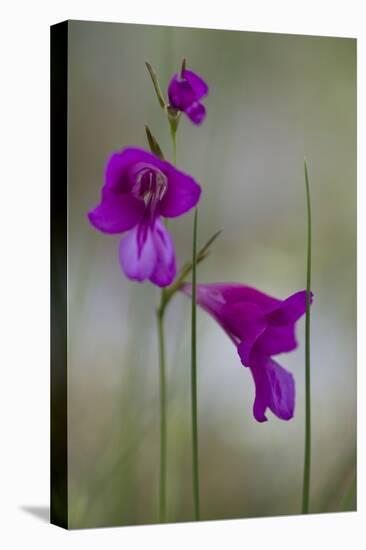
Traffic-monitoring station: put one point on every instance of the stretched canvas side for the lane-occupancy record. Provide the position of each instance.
(59, 483)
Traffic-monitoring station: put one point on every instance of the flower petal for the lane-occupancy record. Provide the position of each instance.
(182, 193)
(209, 304)
(245, 321)
(196, 112)
(165, 267)
(117, 169)
(276, 339)
(116, 213)
(214, 295)
(197, 83)
(137, 253)
(274, 387)
(290, 310)
(181, 94)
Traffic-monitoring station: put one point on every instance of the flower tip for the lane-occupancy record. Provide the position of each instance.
(199, 121)
(91, 217)
(260, 418)
(311, 296)
(196, 113)
(287, 416)
(98, 221)
(198, 193)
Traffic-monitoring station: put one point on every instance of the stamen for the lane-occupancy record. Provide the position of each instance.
(150, 185)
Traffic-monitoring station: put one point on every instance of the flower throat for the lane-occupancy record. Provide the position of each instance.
(151, 185)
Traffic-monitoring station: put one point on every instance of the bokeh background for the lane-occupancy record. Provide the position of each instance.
(273, 99)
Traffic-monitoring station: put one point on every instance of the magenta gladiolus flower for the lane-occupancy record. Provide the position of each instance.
(185, 91)
(139, 189)
(260, 326)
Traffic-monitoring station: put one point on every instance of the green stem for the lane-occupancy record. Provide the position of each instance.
(195, 472)
(162, 486)
(162, 374)
(307, 457)
(173, 133)
(166, 295)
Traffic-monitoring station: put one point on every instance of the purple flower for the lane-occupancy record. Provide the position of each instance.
(139, 188)
(184, 93)
(260, 326)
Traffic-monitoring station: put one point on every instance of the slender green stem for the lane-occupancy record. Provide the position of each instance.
(307, 457)
(160, 318)
(196, 493)
(166, 295)
(162, 486)
(173, 133)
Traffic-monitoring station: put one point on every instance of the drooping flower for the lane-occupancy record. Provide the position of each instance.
(139, 189)
(260, 326)
(185, 91)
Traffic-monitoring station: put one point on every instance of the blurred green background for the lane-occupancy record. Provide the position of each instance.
(273, 99)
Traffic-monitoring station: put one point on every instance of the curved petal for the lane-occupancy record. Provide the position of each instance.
(180, 93)
(117, 169)
(210, 305)
(247, 322)
(182, 194)
(290, 310)
(165, 266)
(116, 213)
(214, 295)
(197, 83)
(276, 339)
(196, 112)
(274, 389)
(137, 253)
